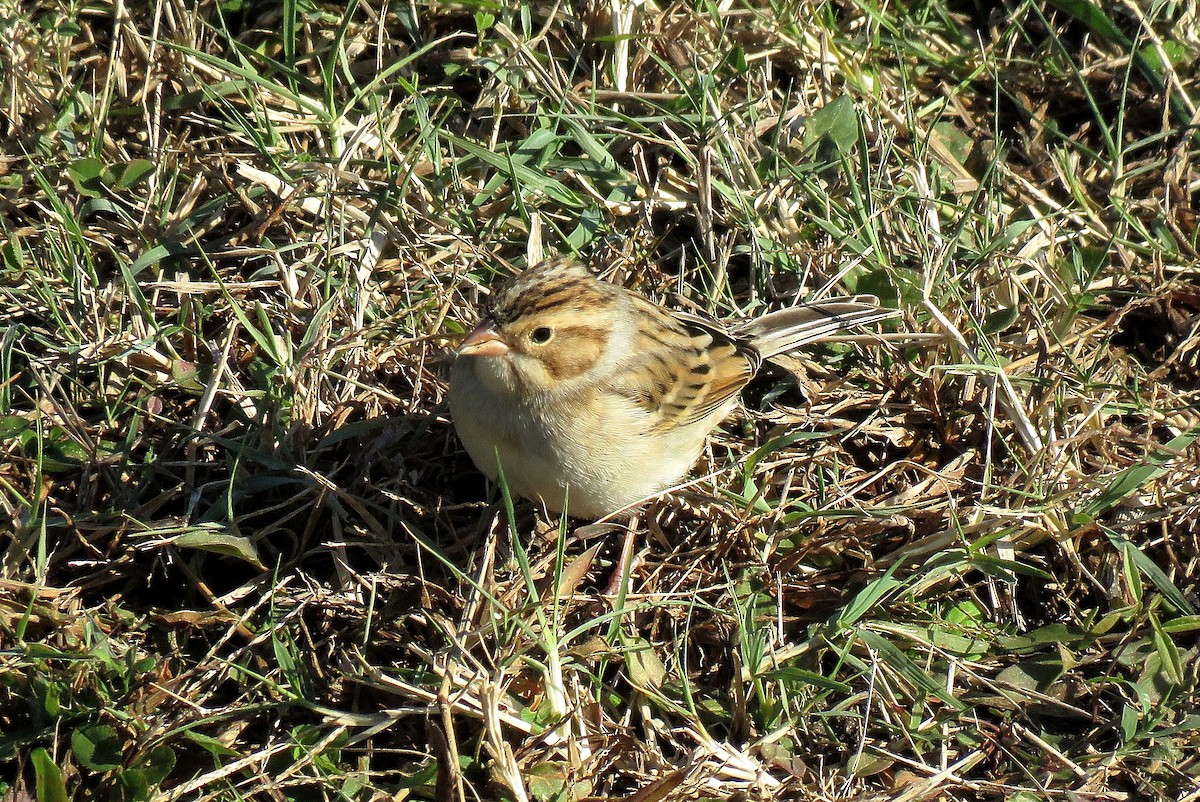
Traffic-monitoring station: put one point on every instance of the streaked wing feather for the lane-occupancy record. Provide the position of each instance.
(686, 368)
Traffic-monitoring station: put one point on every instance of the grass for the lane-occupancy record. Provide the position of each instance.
(244, 556)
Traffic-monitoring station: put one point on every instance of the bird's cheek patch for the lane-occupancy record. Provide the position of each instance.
(576, 351)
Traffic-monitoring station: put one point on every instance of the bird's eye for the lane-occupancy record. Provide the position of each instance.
(541, 335)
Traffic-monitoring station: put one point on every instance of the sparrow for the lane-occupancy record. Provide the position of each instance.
(592, 399)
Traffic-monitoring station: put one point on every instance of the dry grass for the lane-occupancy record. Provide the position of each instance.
(245, 558)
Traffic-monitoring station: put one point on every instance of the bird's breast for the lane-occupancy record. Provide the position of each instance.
(591, 452)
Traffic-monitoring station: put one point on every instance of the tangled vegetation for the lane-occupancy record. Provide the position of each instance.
(246, 558)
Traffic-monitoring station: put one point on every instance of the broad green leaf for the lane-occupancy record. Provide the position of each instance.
(645, 669)
(1036, 674)
(1168, 652)
(48, 777)
(134, 172)
(88, 176)
(13, 427)
(158, 253)
(1182, 624)
(547, 781)
(1001, 319)
(98, 747)
(836, 123)
(219, 542)
(212, 745)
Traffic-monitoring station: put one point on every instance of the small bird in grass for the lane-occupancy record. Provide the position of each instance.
(592, 398)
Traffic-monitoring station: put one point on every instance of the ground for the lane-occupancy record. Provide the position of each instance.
(951, 557)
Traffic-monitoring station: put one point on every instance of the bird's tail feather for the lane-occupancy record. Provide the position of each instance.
(782, 331)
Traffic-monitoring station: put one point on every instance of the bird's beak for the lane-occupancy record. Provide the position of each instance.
(486, 340)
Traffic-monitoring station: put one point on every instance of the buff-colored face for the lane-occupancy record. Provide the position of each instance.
(550, 326)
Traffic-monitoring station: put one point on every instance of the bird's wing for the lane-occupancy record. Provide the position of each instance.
(682, 367)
